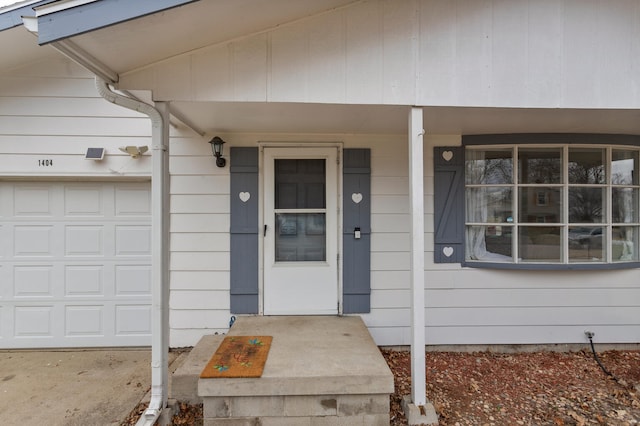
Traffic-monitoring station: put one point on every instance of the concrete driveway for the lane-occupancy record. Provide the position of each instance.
(89, 387)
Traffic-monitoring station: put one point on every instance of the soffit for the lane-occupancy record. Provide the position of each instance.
(146, 40)
(18, 47)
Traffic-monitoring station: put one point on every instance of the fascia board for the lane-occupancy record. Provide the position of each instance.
(59, 23)
(11, 17)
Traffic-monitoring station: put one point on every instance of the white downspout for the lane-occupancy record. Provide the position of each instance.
(159, 241)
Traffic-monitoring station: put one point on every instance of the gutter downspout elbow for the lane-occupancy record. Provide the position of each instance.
(159, 245)
(130, 103)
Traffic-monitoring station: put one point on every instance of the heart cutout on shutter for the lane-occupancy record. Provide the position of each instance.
(244, 196)
(356, 197)
(447, 155)
(447, 251)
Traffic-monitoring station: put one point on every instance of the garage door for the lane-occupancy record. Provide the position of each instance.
(75, 264)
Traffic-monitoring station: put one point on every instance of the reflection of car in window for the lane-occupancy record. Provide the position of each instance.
(577, 236)
(593, 239)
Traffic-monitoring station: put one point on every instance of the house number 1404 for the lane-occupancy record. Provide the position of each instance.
(45, 163)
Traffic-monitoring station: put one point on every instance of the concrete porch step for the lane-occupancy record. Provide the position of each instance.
(184, 381)
(320, 370)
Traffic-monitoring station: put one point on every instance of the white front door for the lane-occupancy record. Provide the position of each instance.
(301, 231)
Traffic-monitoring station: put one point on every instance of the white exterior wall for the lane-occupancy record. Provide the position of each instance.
(473, 53)
(199, 233)
(489, 53)
(375, 52)
(51, 111)
(463, 305)
(466, 306)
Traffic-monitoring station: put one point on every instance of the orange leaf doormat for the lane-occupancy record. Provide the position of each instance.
(238, 356)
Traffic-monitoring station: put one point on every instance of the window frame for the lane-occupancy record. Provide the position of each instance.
(566, 141)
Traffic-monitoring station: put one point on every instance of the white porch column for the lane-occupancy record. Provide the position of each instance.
(416, 195)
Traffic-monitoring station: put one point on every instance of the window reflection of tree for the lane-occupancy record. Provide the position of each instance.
(490, 170)
(541, 170)
(585, 203)
(586, 173)
(538, 165)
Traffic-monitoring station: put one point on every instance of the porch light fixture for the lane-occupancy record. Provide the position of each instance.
(134, 151)
(216, 148)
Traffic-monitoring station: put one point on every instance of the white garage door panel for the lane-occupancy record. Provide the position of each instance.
(33, 321)
(133, 240)
(84, 321)
(132, 201)
(84, 280)
(33, 201)
(75, 264)
(133, 280)
(29, 241)
(84, 240)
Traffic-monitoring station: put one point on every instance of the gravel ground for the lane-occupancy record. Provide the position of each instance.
(543, 388)
(533, 389)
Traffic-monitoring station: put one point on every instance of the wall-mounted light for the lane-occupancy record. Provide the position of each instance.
(216, 148)
(134, 151)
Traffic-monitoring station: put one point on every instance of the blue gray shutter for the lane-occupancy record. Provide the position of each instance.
(448, 200)
(244, 230)
(356, 263)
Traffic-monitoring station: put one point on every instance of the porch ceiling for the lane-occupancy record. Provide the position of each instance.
(378, 119)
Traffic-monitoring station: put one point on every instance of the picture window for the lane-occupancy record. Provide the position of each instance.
(553, 204)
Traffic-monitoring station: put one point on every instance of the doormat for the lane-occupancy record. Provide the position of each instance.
(238, 356)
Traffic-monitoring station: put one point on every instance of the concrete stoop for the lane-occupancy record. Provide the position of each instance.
(320, 371)
(298, 410)
(184, 381)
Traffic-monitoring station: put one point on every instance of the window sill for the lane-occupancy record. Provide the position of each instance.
(551, 266)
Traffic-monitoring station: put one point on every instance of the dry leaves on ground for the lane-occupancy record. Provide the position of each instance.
(533, 389)
(186, 415)
(543, 388)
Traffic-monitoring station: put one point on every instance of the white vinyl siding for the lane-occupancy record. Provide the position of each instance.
(474, 306)
(199, 235)
(51, 110)
(524, 54)
(463, 305)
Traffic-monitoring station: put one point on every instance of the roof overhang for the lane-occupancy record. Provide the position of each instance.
(127, 35)
(17, 46)
(64, 19)
(11, 16)
(113, 37)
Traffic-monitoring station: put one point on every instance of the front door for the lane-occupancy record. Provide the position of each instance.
(300, 235)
